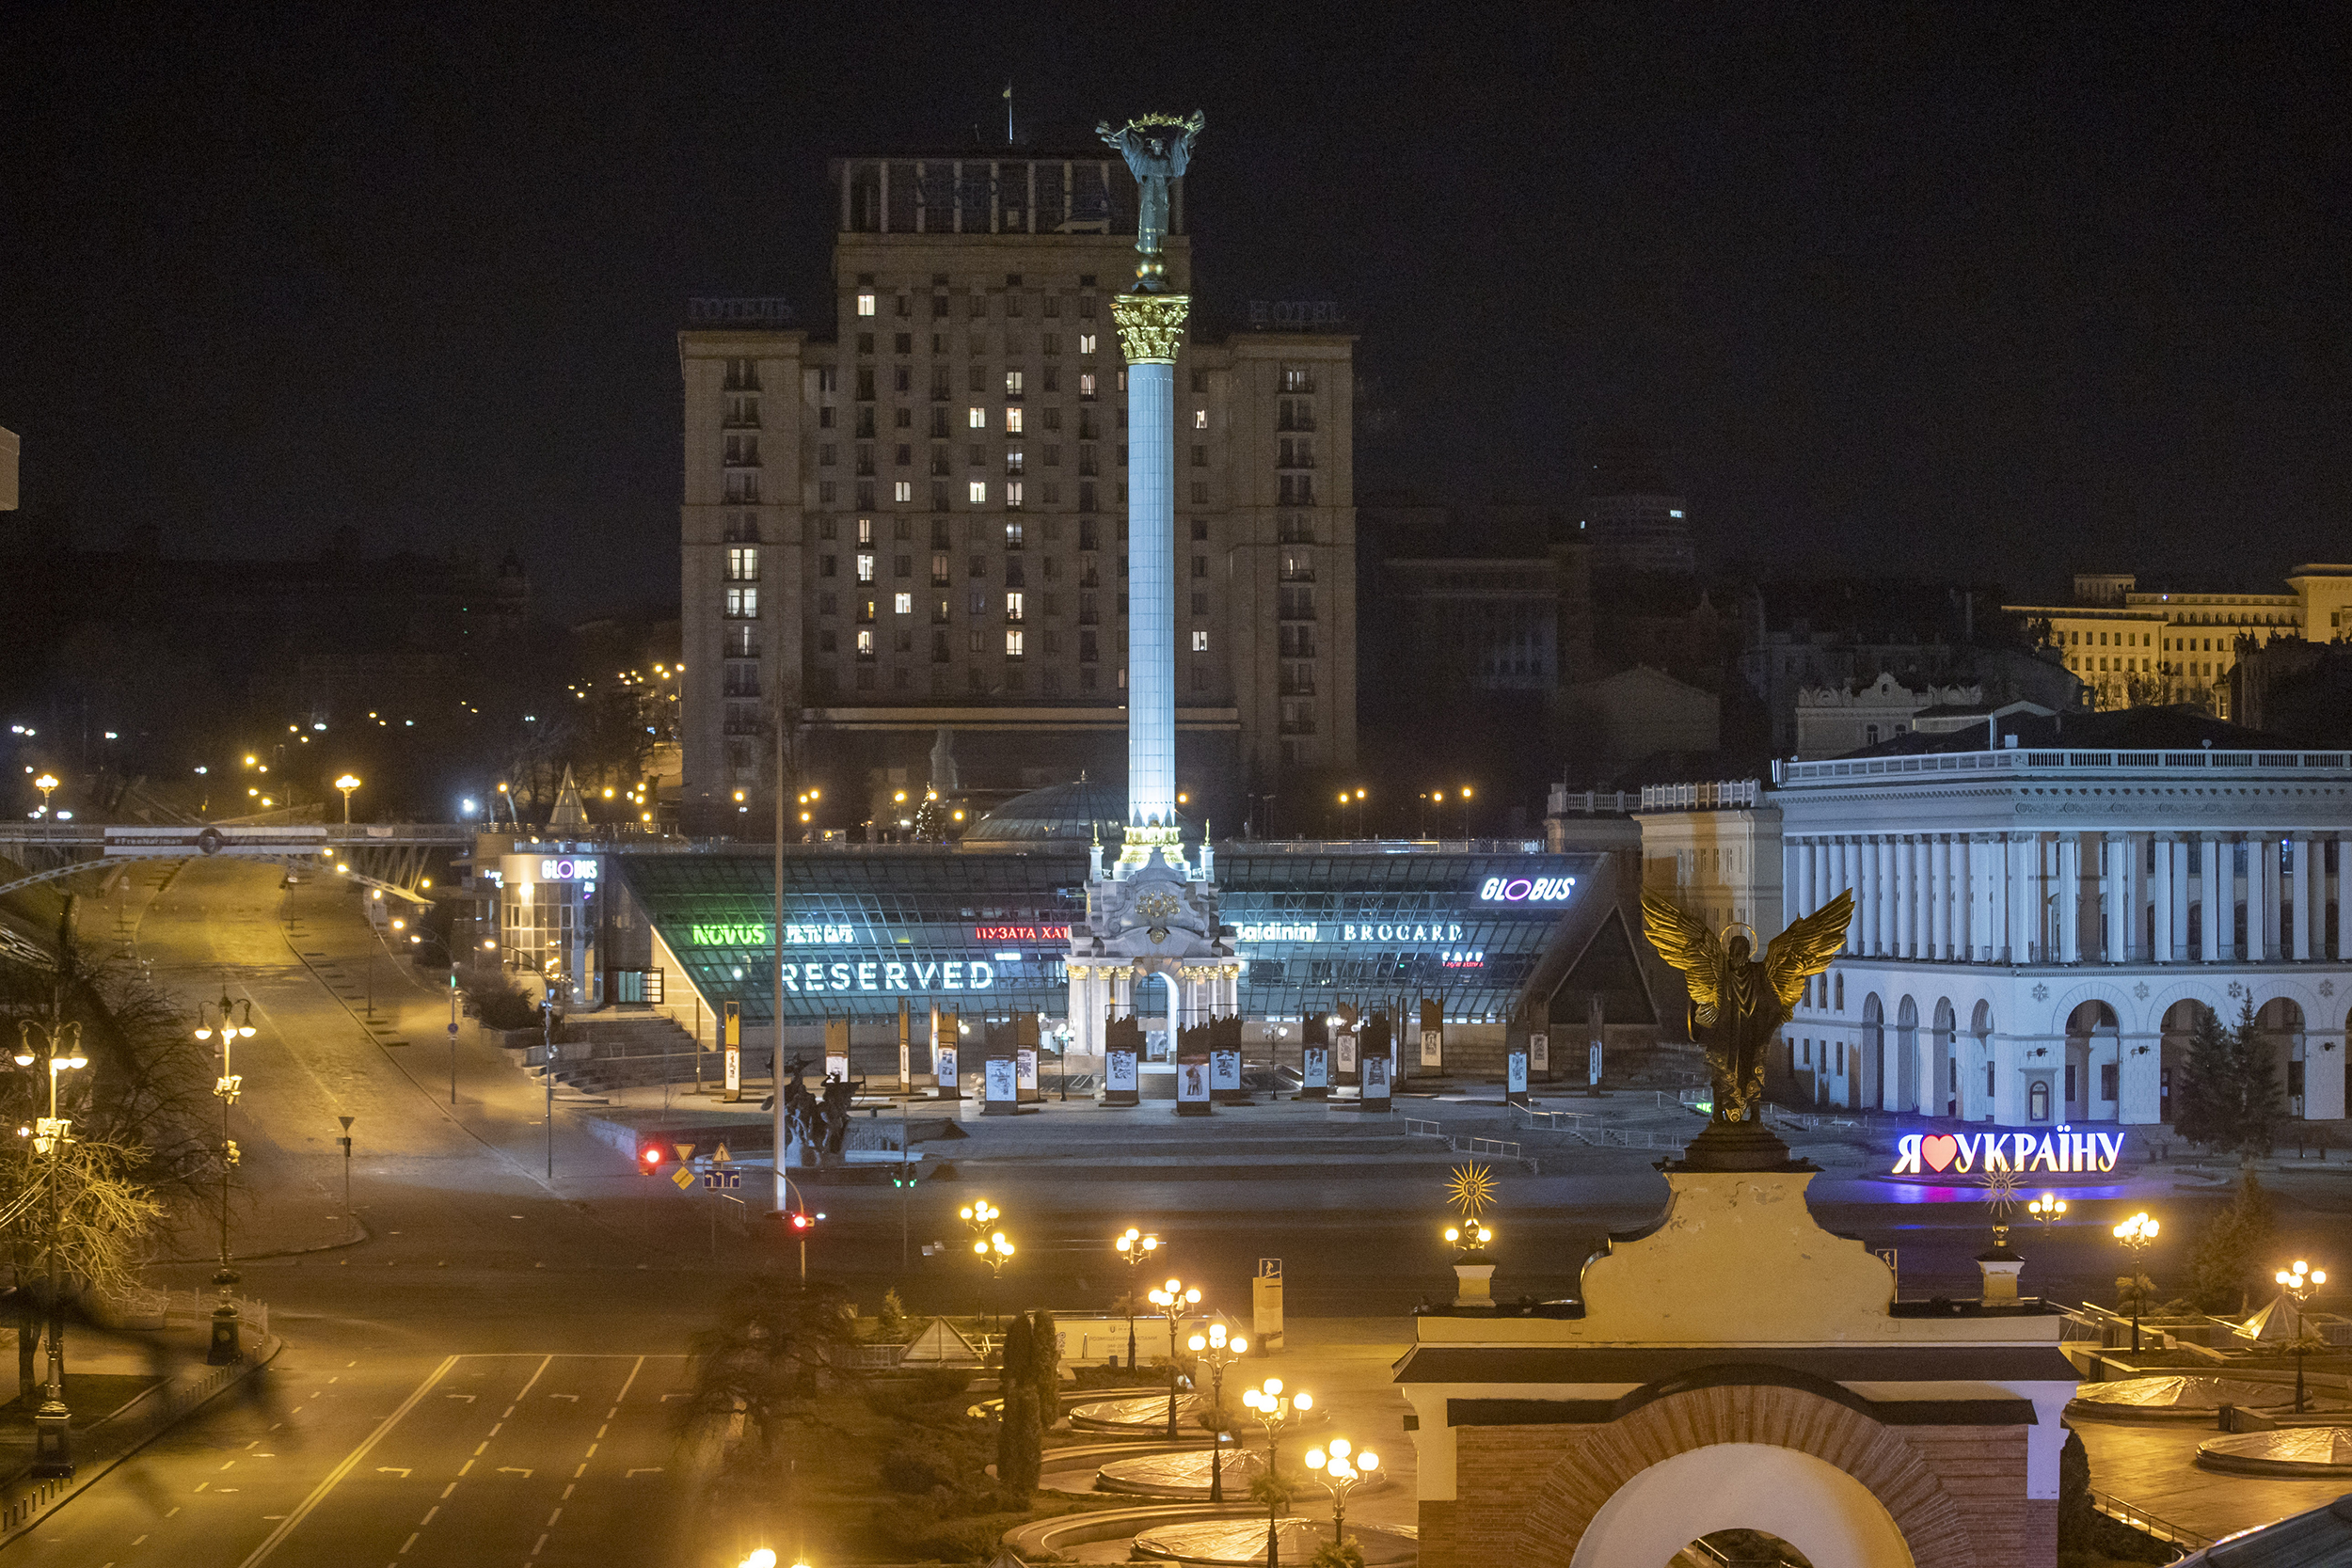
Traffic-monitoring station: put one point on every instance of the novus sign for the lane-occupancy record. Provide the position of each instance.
(2063, 1152)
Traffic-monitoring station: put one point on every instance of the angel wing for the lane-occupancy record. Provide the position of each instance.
(1806, 947)
(1687, 944)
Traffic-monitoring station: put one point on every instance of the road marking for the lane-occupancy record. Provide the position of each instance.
(509, 1410)
(615, 1411)
(536, 1544)
(405, 1544)
(428, 1515)
(534, 1378)
(467, 1465)
(600, 1431)
(574, 1398)
(581, 1471)
(494, 1431)
(553, 1517)
(632, 1379)
(513, 1471)
(591, 1453)
(391, 1470)
(135, 1542)
(175, 1508)
(477, 1453)
(567, 1492)
(201, 1485)
(255, 1444)
(467, 1398)
(225, 1467)
(318, 1494)
(643, 1470)
(447, 1490)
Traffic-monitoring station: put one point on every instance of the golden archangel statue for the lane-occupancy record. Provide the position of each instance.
(1738, 1004)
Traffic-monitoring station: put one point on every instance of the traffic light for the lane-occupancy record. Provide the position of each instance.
(802, 1222)
(649, 1159)
(905, 1177)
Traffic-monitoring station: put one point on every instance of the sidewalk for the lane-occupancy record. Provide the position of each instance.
(125, 1389)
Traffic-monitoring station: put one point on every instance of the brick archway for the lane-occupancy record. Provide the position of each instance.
(1605, 1458)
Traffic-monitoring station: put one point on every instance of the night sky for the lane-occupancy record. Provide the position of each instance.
(1989, 289)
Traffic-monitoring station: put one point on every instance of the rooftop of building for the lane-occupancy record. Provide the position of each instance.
(2174, 728)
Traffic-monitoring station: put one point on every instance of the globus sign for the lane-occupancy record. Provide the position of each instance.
(1526, 890)
(2063, 1152)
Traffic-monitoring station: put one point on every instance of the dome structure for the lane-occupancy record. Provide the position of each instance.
(1062, 813)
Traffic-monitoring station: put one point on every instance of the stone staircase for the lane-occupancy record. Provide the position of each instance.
(602, 1052)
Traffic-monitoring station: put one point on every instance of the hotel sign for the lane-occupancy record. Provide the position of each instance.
(2062, 1153)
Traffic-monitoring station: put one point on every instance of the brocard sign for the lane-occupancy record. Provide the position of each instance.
(2063, 1151)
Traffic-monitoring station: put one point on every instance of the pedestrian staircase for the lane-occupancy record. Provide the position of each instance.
(602, 1052)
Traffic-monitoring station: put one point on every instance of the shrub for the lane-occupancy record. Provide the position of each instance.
(498, 1002)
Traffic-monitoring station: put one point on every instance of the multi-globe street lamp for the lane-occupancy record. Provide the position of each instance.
(61, 1052)
(2137, 1234)
(1134, 1246)
(996, 1252)
(1218, 1353)
(226, 1328)
(1172, 1299)
(348, 783)
(2047, 1209)
(1274, 1409)
(1340, 1471)
(2297, 1284)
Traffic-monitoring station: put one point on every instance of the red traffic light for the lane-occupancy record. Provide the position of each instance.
(649, 1158)
(802, 1222)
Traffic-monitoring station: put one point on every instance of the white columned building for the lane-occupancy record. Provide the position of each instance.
(2033, 921)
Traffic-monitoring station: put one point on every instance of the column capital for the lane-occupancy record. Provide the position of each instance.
(1150, 326)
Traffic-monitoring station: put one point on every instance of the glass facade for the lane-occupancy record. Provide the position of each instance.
(986, 933)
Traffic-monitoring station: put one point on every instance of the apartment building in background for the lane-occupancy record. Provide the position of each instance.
(912, 517)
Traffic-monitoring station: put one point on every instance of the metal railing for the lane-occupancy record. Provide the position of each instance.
(2018, 759)
(2140, 1519)
(1707, 795)
(1492, 1148)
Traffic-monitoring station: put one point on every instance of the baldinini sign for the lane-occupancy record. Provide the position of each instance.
(2063, 1151)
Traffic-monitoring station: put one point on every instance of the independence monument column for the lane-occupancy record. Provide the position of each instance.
(1151, 913)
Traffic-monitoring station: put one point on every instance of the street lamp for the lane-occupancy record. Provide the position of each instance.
(348, 783)
(2047, 1208)
(1219, 1354)
(61, 1048)
(1135, 1246)
(45, 784)
(2297, 1284)
(1274, 1409)
(996, 1252)
(1171, 1299)
(225, 1325)
(2137, 1234)
(1340, 1471)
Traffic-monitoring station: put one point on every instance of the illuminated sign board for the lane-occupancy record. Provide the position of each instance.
(754, 933)
(1021, 933)
(1526, 890)
(1347, 931)
(2062, 1153)
(565, 868)
(890, 975)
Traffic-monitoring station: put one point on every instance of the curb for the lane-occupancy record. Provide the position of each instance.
(27, 1508)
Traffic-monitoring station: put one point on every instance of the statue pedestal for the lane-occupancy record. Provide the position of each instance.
(1737, 1146)
(1475, 1284)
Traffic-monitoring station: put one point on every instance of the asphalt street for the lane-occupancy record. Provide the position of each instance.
(476, 1354)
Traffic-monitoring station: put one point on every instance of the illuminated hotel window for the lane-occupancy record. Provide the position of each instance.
(865, 305)
(1013, 642)
(979, 492)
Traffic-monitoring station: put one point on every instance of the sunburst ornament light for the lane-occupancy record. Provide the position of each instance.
(2000, 1196)
(1470, 1190)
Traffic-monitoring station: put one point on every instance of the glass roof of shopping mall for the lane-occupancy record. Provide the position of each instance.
(986, 933)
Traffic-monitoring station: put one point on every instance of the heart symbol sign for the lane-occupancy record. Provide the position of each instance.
(1939, 1150)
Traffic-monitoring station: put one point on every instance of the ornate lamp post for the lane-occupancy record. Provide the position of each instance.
(1135, 1246)
(47, 785)
(1219, 1354)
(996, 1252)
(1274, 1409)
(225, 1327)
(1171, 1299)
(348, 783)
(61, 1050)
(1340, 1471)
(2296, 1284)
(2137, 1234)
(2047, 1209)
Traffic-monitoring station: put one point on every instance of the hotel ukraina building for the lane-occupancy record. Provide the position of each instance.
(2038, 909)
(915, 515)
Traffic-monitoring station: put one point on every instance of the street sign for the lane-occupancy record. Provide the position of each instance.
(718, 1180)
(684, 1151)
(683, 1178)
(722, 1157)
(453, 1031)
